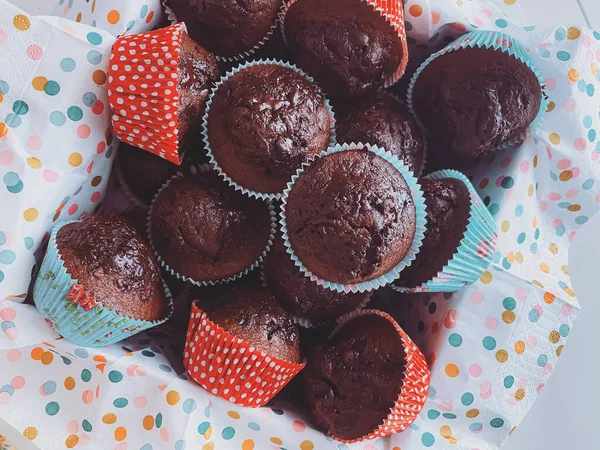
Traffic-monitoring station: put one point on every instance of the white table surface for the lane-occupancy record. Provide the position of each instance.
(565, 415)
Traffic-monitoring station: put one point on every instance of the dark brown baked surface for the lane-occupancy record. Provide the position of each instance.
(350, 217)
(115, 264)
(352, 380)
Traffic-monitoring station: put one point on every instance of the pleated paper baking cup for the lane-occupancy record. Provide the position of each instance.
(474, 254)
(143, 78)
(414, 390)
(172, 18)
(72, 310)
(194, 170)
(230, 367)
(206, 139)
(497, 41)
(305, 322)
(392, 12)
(421, 221)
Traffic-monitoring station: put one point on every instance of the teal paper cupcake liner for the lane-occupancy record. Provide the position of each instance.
(213, 161)
(474, 254)
(498, 41)
(98, 327)
(195, 170)
(421, 221)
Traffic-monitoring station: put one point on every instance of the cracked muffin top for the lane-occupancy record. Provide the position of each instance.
(264, 122)
(207, 231)
(252, 314)
(350, 217)
(352, 380)
(346, 45)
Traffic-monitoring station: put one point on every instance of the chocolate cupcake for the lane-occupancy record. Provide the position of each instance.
(100, 282)
(205, 231)
(367, 380)
(384, 121)
(158, 83)
(230, 29)
(244, 347)
(311, 304)
(141, 174)
(347, 45)
(459, 240)
(479, 94)
(353, 219)
(448, 209)
(263, 121)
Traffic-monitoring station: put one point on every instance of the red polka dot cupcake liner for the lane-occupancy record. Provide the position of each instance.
(143, 76)
(415, 387)
(392, 12)
(231, 368)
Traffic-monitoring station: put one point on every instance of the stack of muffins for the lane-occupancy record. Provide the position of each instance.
(280, 194)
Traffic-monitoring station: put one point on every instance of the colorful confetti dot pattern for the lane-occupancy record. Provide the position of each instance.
(490, 347)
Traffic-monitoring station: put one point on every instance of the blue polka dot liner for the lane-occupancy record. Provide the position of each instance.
(500, 42)
(98, 327)
(476, 249)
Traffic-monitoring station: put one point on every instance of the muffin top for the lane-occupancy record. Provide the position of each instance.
(345, 44)
(352, 380)
(350, 217)
(474, 99)
(227, 27)
(198, 70)
(252, 314)
(299, 295)
(448, 206)
(205, 230)
(383, 121)
(144, 172)
(116, 265)
(264, 122)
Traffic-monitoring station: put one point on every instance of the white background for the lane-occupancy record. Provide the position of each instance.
(565, 415)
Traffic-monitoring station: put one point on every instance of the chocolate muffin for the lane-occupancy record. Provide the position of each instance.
(448, 210)
(263, 123)
(206, 231)
(383, 121)
(353, 379)
(350, 217)
(116, 265)
(227, 27)
(252, 314)
(474, 99)
(198, 70)
(143, 172)
(302, 297)
(345, 44)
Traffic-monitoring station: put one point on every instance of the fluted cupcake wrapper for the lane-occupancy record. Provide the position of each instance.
(143, 94)
(95, 327)
(194, 170)
(421, 221)
(414, 390)
(230, 367)
(474, 254)
(172, 18)
(222, 173)
(307, 323)
(497, 41)
(392, 12)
